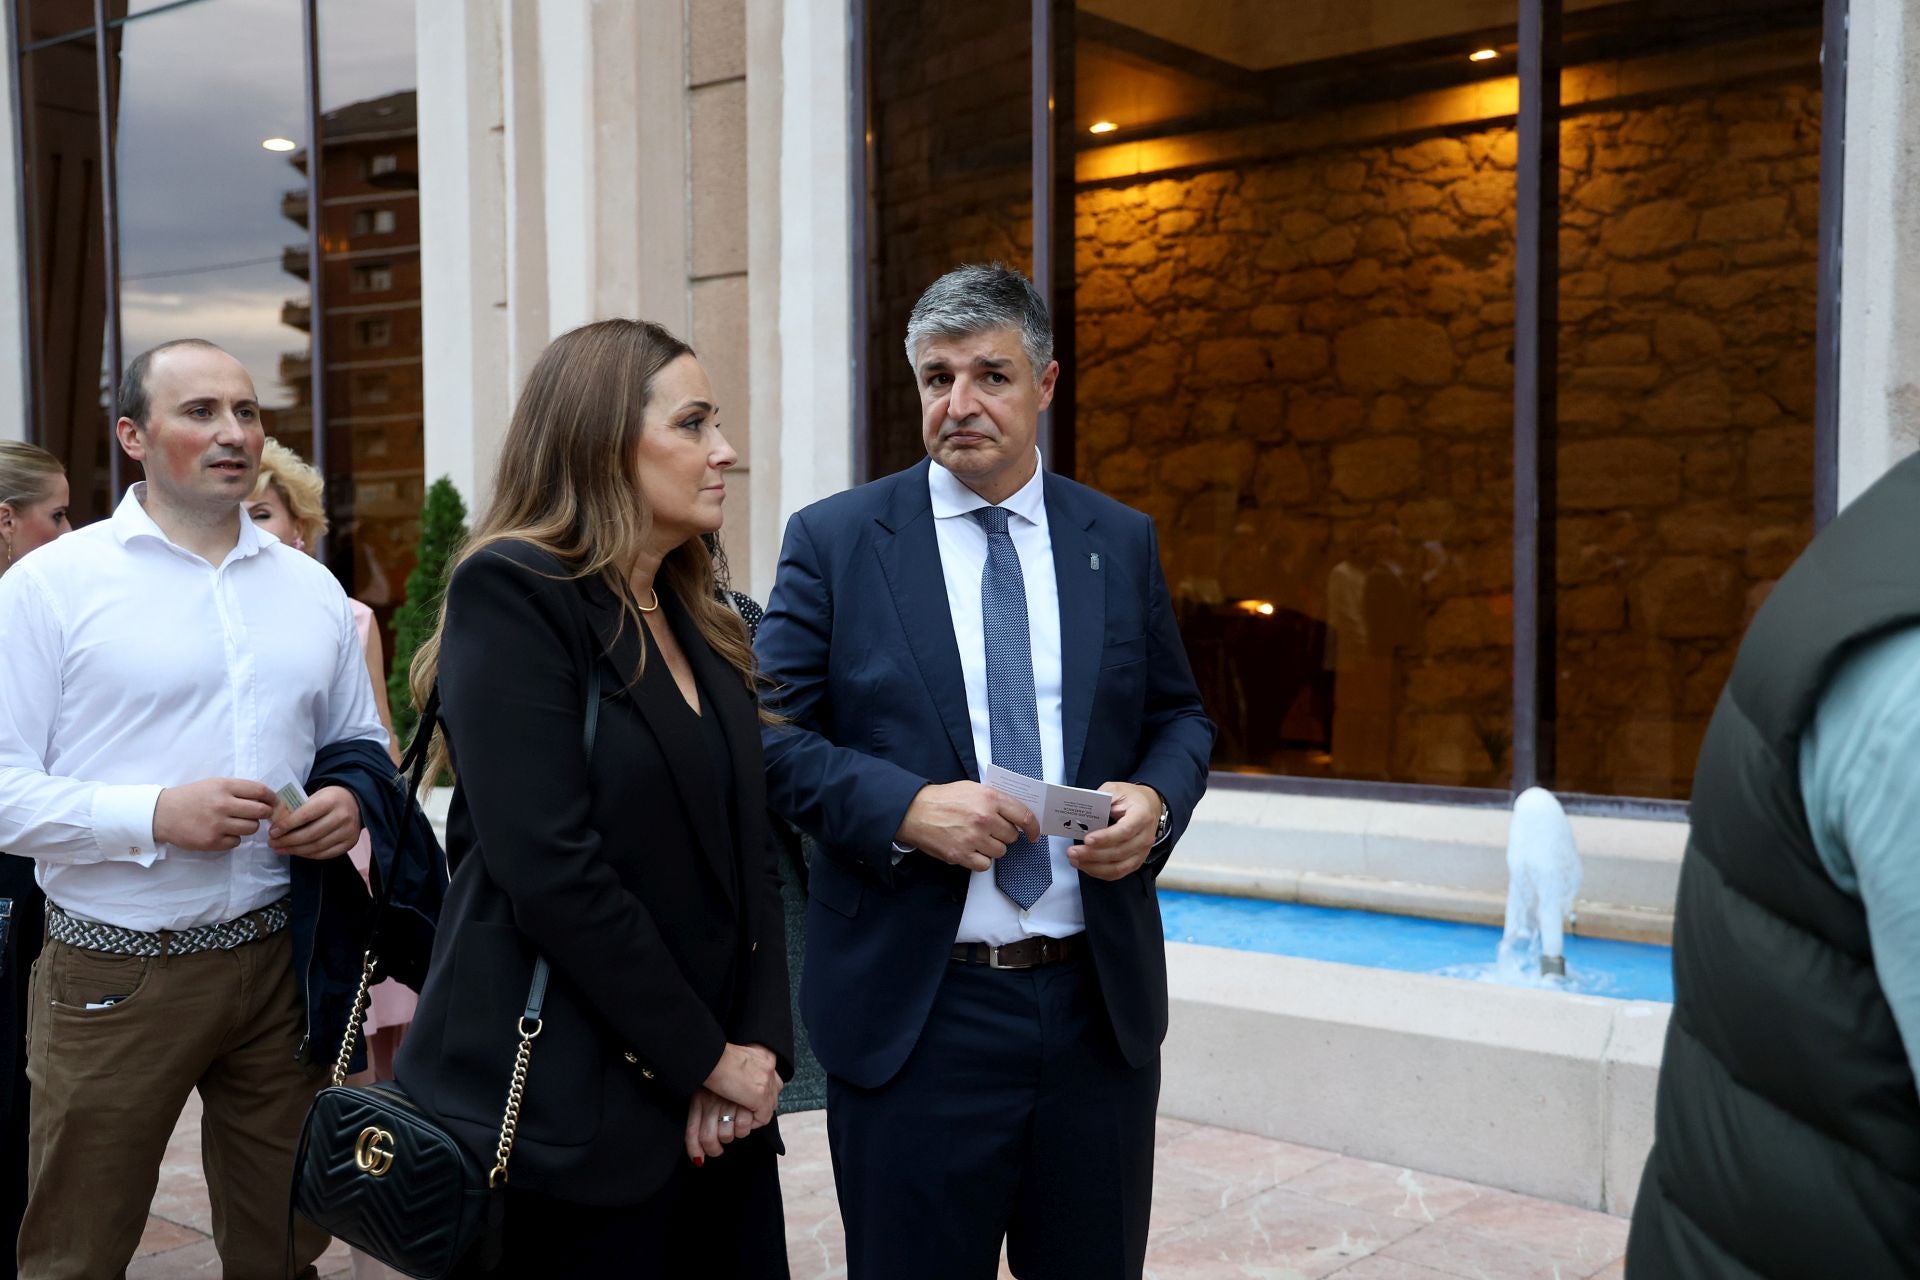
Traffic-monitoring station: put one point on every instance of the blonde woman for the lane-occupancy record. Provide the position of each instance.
(33, 499)
(33, 510)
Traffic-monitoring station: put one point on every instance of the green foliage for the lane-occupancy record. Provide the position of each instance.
(443, 527)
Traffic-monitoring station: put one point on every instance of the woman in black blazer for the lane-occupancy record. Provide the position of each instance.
(646, 1144)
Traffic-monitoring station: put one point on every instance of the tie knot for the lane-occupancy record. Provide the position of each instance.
(992, 519)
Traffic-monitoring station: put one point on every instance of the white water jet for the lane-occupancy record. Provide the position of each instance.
(1543, 879)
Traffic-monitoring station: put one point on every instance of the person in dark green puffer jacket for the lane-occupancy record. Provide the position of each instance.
(1787, 1129)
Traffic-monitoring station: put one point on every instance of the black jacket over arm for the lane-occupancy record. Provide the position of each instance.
(621, 870)
(333, 912)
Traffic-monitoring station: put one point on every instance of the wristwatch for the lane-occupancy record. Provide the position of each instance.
(1166, 823)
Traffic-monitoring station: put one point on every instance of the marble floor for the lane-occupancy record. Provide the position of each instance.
(1227, 1206)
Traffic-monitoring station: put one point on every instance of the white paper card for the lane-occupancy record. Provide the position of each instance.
(281, 781)
(1063, 811)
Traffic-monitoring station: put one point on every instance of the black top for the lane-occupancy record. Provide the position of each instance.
(705, 727)
(1787, 1126)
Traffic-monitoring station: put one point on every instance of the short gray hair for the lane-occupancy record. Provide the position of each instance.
(977, 298)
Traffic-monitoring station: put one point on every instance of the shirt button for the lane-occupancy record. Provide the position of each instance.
(754, 947)
(631, 1056)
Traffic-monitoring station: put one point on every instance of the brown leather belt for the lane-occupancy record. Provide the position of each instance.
(1028, 953)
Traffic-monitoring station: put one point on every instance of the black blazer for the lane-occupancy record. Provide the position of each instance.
(858, 643)
(658, 911)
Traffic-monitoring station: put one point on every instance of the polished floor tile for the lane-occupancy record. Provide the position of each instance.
(1227, 1206)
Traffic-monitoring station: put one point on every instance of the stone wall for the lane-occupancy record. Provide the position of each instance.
(1302, 369)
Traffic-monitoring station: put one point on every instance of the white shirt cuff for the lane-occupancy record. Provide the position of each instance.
(900, 851)
(123, 822)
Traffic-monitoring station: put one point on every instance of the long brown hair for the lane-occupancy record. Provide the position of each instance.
(568, 482)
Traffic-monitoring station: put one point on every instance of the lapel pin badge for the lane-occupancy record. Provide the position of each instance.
(1093, 560)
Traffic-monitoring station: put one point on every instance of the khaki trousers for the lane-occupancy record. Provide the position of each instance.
(109, 1085)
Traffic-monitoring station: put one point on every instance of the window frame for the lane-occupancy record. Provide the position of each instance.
(372, 277)
(373, 218)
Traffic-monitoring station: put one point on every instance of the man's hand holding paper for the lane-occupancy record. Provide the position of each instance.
(965, 823)
(1113, 828)
(1119, 849)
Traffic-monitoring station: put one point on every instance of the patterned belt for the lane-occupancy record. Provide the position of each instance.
(1028, 953)
(114, 940)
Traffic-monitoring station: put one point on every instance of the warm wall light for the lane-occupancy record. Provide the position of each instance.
(279, 144)
(1483, 55)
(1262, 607)
(1102, 126)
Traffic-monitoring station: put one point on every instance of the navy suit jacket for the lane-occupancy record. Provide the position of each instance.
(858, 646)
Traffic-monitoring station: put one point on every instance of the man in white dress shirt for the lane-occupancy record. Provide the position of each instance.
(159, 666)
(988, 1001)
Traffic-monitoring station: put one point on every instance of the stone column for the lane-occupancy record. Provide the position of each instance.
(13, 284)
(464, 296)
(756, 540)
(815, 437)
(1880, 244)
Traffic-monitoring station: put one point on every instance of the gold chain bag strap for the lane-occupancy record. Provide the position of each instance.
(372, 1168)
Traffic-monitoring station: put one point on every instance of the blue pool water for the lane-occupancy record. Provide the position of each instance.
(1411, 944)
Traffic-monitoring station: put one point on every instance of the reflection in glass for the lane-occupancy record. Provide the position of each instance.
(50, 19)
(199, 197)
(370, 295)
(1689, 242)
(950, 174)
(1294, 256)
(66, 265)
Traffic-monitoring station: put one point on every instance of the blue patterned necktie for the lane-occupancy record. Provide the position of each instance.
(1013, 711)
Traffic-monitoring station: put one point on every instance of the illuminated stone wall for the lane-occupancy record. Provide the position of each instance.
(1302, 369)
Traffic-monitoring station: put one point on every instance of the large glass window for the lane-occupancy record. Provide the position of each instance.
(210, 190)
(1295, 319)
(198, 185)
(370, 294)
(1689, 223)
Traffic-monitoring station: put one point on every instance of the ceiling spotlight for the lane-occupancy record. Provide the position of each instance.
(1102, 126)
(1483, 55)
(280, 144)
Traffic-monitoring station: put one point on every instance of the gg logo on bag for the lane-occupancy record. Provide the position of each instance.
(373, 1153)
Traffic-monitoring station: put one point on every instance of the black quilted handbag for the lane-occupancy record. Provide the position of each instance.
(376, 1171)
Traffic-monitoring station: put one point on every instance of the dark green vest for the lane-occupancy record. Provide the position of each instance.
(1787, 1134)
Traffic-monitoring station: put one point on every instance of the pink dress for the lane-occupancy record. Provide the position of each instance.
(391, 1005)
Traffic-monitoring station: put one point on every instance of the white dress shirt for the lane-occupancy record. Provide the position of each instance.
(990, 916)
(128, 665)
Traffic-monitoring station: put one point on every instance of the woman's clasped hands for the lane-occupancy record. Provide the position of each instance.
(738, 1097)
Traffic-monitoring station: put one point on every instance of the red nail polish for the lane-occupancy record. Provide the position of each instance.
(698, 1161)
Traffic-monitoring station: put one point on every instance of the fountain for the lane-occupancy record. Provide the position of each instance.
(1543, 879)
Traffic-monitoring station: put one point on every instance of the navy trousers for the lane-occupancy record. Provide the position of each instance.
(1014, 1118)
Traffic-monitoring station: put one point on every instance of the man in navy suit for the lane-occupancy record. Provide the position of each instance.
(988, 1001)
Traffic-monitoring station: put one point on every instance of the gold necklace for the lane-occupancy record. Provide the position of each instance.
(649, 608)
